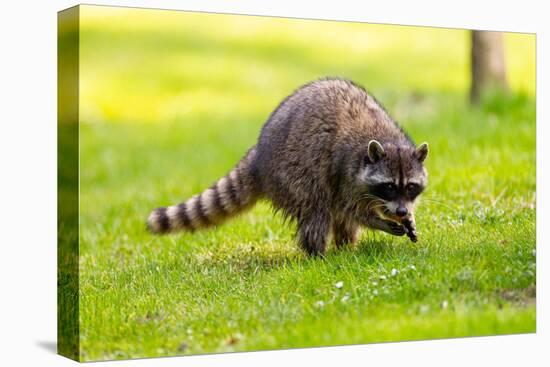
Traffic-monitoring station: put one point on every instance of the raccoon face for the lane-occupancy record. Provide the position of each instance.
(395, 175)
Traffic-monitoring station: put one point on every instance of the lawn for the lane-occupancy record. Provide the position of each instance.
(169, 103)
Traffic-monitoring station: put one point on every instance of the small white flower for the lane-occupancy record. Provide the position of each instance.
(375, 292)
(394, 272)
(374, 284)
(412, 267)
(320, 304)
(339, 285)
(444, 304)
(382, 277)
(345, 298)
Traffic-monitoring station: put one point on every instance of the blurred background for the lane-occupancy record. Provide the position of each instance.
(155, 66)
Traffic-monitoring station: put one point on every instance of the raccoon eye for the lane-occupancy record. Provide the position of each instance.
(389, 191)
(413, 190)
(385, 191)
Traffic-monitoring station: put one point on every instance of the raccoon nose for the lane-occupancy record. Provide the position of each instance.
(401, 211)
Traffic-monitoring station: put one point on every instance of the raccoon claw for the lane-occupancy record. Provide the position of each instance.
(413, 236)
(410, 227)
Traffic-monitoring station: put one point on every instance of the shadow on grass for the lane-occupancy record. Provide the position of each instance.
(373, 249)
(254, 259)
(250, 258)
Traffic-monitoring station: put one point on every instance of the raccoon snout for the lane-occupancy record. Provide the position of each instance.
(396, 209)
(401, 211)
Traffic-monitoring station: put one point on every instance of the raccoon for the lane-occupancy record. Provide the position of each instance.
(329, 158)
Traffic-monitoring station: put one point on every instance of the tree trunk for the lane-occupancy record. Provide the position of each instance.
(488, 66)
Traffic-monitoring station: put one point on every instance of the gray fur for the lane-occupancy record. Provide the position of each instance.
(319, 159)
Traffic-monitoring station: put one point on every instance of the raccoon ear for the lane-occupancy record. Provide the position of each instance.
(422, 152)
(375, 151)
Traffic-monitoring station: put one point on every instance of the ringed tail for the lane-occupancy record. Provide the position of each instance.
(232, 194)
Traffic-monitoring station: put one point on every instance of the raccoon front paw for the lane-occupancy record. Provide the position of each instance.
(410, 227)
(387, 226)
(395, 228)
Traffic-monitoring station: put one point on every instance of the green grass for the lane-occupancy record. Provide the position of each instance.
(170, 102)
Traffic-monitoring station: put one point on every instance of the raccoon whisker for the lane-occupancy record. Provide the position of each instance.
(430, 198)
(355, 208)
(359, 210)
(426, 197)
(370, 202)
(374, 207)
(378, 206)
(371, 207)
(434, 201)
(369, 196)
(359, 204)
